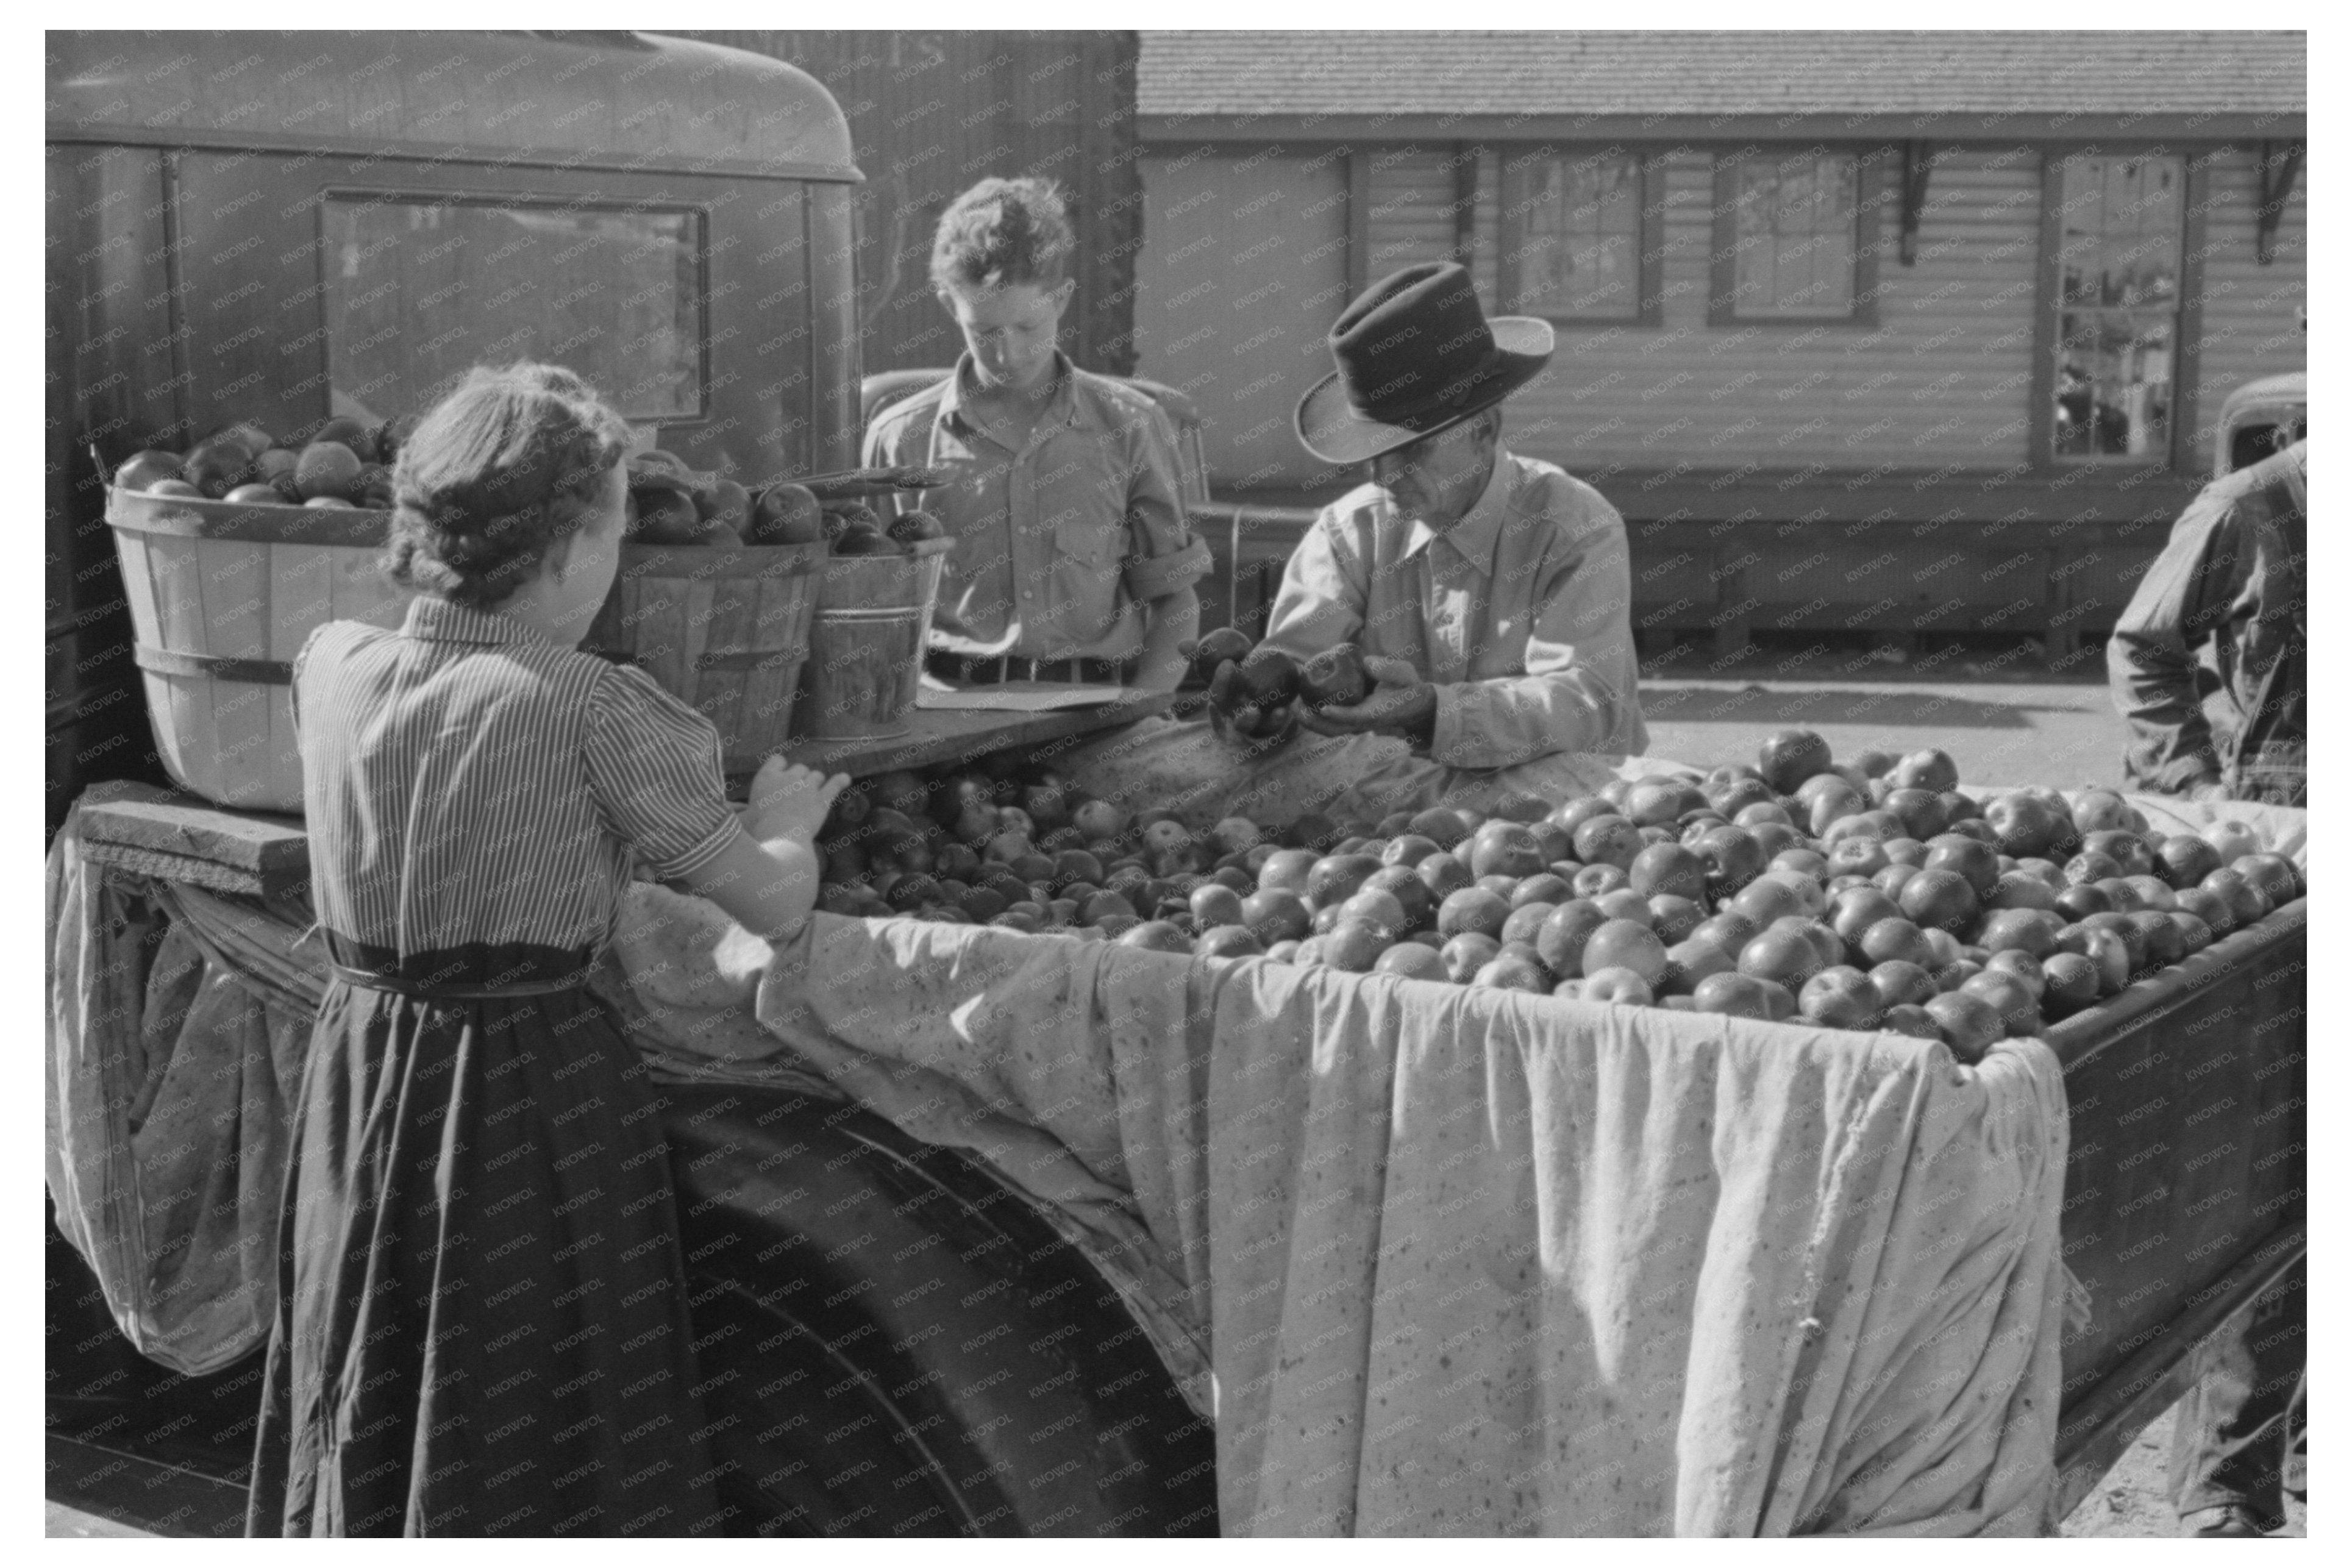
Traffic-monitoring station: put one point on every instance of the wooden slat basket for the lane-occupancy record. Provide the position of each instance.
(724, 631)
(222, 597)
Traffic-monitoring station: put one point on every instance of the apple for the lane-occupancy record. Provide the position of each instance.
(1473, 910)
(1440, 826)
(1442, 874)
(1919, 811)
(1509, 972)
(1668, 869)
(1833, 805)
(1841, 997)
(143, 469)
(1623, 944)
(2124, 847)
(1560, 940)
(2184, 859)
(254, 495)
(1525, 922)
(2231, 838)
(2070, 983)
(1689, 963)
(1506, 848)
(1788, 757)
(2026, 823)
(2154, 893)
(1596, 881)
(1738, 995)
(2272, 876)
(1854, 911)
(2100, 810)
(1731, 857)
(1943, 898)
(1654, 801)
(1543, 888)
(1970, 858)
(1969, 1025)
(1624, 904)
(1783, 955)
(1672, 916)
(2020, 1008)
(1409, 849)
(2028, 930)
(1287, 870)
(2196, 936)
(2161, 937)
(1862, 858)
(1627, 987)
(1607, 840)
(1464, 954)
(1930, 770)
(1215, 904)
(1412, 960)
(1900, 982)
(2024, 967)
(1373, 907)
(1912, 1020)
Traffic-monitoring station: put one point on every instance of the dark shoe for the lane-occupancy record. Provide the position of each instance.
(2223, 1520)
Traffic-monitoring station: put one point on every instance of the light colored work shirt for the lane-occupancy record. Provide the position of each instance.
(1061, 544)
(1518, 614)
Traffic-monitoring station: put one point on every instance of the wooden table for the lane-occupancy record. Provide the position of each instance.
(947, 737)
(167, 833)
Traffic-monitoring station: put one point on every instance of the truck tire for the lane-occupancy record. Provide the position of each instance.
(893, 1342)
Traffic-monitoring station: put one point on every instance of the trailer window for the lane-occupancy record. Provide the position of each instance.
(1576, 228)
(1791, 241)
(419, 291)
(2119, 306)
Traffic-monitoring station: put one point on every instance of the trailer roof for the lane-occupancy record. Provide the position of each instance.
(1715, 73)
(609, 100)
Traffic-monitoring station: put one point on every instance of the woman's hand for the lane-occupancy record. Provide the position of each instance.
(789, 801)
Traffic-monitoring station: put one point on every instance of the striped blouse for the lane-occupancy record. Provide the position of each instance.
(466, 780)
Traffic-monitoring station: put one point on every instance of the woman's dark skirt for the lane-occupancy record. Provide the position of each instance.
(482, 1318)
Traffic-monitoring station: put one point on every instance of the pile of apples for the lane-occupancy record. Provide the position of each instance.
(1868, 896)
(671, 504)
(339, 463)
(344, 463)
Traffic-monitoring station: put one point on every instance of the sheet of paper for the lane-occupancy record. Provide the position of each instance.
(1016, 696)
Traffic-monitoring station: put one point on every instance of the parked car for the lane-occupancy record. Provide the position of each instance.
(2258, 418)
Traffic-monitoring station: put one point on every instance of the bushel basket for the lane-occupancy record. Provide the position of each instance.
(223, 594)
(724, 631)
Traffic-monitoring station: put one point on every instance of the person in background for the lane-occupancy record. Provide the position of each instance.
(482, 1319)
(1488, 592)
(2231, 577)
(1073, 559)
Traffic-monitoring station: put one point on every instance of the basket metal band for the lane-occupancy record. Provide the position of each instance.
(172, 661)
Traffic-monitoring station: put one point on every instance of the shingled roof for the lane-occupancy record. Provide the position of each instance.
(1713, 73)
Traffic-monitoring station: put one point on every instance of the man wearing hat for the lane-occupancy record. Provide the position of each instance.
(1488, 591)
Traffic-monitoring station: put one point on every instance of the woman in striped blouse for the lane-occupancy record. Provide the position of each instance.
(482, 1325)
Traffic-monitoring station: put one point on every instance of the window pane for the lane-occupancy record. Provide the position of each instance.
(1794, 237)
(2115, 384)
(2119, 255)
(2121, 242)
(418, 292)
(1582, 230)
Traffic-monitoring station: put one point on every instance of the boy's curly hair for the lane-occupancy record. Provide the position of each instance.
(512, 460)
(1001, 233)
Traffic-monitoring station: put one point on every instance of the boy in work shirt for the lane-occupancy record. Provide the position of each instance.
(1073, 560)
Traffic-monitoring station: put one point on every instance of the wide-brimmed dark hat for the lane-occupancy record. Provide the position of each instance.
(1416, 354)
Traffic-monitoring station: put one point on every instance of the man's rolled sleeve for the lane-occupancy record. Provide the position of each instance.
(1163, 555)
(1580, 691)
(2152, 653)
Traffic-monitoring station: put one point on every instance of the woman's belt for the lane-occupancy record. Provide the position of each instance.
(475, 973)
(373, 980)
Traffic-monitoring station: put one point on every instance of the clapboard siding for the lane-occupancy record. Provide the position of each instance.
(1412, 207)
(1942, 379)
(2249, 328)
(1942, 382)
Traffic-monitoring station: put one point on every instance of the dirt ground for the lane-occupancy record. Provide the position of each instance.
(2135, 1500)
